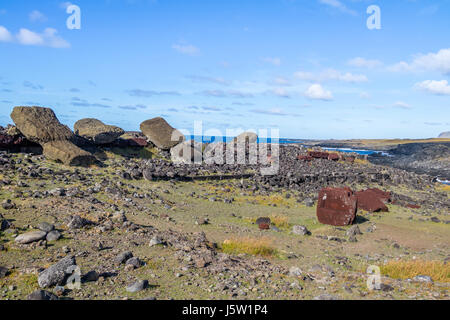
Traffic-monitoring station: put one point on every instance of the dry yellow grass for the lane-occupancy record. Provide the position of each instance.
(443, 187)
(280, 221)
(437, 270)
(362, 161)
(252, 246)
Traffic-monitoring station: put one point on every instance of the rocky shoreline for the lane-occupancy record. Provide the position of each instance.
(431, 158)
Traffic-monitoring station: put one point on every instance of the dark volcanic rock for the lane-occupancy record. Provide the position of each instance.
(42, 295)
(96, 131)
(41, 125)
(336, 207)
(68, 153)
(161, 134)
(429, 158)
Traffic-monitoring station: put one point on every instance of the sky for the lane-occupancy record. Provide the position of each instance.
(311, 68)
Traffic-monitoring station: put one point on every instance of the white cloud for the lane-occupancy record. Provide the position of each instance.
(439, 61)
(274, 61)
(338, 5)
(5, 35)
(331, 74)
(317, 92)
(48, 38)
(37, 16)
(29, 38)
(364, 63)
(186, 49)
(435, 87)
(402, 105)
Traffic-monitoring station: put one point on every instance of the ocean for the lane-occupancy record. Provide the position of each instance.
(208, 139)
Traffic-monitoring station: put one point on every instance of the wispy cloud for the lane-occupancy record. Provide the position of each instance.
(402, 105)
(339, 6)
(37, 16)
(364, 63)
(151, 93)
(280, 92)
(132, 107)
(225, 94)
(78, 102)
(217, 80)
(331, 75)
(187, 49)
(31, 85)
(274, 112)
(272, 60)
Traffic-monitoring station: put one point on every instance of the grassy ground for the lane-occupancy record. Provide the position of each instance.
(399, 237)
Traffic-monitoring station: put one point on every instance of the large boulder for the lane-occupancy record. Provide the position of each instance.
(40, 125)
(336, 206)
(30, 237)
(373, 200)
(161, 134)
(57, 273)
(445, 135)
(96, 131)
(187, 152)
(132, 139)
(67, 153)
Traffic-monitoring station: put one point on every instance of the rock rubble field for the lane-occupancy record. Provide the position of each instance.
(100, 213)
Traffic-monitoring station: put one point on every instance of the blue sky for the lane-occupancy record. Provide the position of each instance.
(310, 68)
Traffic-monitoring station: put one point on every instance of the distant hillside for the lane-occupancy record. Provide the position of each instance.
(445, 135)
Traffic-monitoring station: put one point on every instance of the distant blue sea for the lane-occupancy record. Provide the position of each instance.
(208, 139)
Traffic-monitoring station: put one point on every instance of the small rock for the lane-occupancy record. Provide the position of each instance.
(46, 227)
(123, 257)
(8, 205)
(422, 278)
(42, 295)
(309, 202)
(30, 237)
(134, 262)
(3, 272)
(295, 272)
(326, 296)
(301, 230)
(91, 276)
(137, 286)
(353, 231)
(156, 240)
(53, 235)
